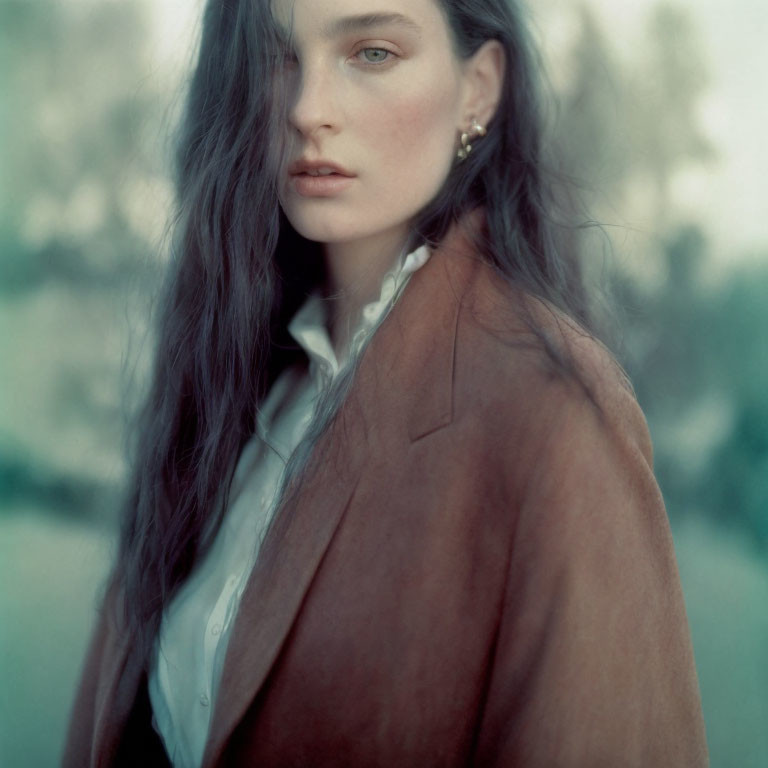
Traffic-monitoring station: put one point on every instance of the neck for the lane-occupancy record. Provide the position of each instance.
(354, 271)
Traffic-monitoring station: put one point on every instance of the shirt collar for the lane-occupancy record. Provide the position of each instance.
(310, 329)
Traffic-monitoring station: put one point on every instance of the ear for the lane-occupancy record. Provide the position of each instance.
(483, 78)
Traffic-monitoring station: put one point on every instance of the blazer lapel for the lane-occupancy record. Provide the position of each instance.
(397, 382)
(290, 555)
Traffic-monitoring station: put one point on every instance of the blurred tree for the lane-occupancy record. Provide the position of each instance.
(81, 159)
(591, 134)
(83, 199)
(699, 361)
(629, 123)
(667, 87)
(735, 482)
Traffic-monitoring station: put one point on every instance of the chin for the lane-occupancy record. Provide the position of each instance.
(323, 226)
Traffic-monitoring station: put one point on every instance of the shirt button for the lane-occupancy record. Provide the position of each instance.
(216, 629)
(204, 700)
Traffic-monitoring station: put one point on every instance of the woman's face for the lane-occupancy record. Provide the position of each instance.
(375, 90)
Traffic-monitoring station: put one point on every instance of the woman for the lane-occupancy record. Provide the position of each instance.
(392, 504)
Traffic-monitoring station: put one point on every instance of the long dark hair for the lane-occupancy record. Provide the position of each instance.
(239, 271)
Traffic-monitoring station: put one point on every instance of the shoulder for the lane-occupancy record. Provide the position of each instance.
(525, 368)
(561, 432)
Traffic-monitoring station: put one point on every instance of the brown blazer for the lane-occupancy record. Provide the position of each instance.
(478, 570)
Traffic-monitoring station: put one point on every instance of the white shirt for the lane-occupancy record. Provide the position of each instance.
(195, 630)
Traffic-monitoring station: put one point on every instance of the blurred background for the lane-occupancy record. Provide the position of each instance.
(660, 111)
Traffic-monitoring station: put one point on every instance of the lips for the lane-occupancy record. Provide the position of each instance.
(328, 185)
(322, 172)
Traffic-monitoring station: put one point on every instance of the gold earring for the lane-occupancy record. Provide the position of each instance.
(475, 131)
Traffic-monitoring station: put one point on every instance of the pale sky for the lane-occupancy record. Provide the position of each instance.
(732, 196)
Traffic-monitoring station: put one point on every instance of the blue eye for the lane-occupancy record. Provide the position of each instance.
(375, 55)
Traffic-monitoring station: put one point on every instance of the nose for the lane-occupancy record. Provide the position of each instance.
(314, 103)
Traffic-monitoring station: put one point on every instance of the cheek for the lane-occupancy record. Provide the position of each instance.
(415, 132)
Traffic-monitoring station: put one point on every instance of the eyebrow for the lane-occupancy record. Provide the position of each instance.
(347, 24)
(360, 22)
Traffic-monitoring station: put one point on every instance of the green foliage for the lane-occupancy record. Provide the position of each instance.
(699, 359)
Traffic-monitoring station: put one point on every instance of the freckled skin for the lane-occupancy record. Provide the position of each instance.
(394, 124)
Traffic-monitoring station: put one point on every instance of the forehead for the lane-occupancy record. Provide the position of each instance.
(329, 19)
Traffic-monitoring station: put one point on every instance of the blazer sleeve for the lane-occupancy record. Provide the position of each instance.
(593, 664)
